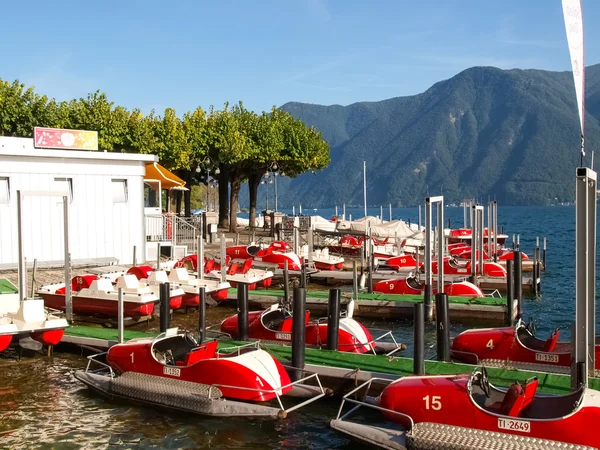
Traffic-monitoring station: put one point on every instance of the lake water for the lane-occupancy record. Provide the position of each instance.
(43, 406)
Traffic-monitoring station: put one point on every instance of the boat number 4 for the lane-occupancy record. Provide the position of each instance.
(433, 402)
(514, 425)
(490, 344)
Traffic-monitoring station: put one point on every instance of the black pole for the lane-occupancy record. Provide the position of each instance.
(286, 282)
(449, 223)
(509, 290)
(165, 307)
(303, 273)
(298, 332)
(518, 282)
(242, 304)
(333, 319)
(419, 339)
(201, 314)
(427, 294)
(443, 327)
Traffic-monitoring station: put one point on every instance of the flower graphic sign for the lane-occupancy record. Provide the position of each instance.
(65, 139)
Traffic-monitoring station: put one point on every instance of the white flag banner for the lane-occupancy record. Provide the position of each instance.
(574, 26)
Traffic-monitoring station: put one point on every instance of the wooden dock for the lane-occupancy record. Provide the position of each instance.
(488, 310)
(343, 371)
(340, 278)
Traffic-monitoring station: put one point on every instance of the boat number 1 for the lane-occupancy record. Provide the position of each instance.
(490, 344)
(132, 357)
(433, 402)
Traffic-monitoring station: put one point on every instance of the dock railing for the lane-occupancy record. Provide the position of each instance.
(350, 397)
(176, 230)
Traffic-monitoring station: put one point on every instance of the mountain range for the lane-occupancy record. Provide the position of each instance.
(512, 135)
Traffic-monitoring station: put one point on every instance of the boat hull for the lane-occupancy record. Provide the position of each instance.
(97, 306)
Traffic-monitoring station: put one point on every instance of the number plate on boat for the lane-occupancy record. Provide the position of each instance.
(284, 336)
(514, 425)
(173, 371)
(546, 357)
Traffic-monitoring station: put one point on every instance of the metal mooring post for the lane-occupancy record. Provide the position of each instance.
(518, 280)
(442, 327)
(298, 332)
(333, 319)
(201, 314)
(165, 307)
(419, 339)
(242, 304)
(585, 277)
(509, 291)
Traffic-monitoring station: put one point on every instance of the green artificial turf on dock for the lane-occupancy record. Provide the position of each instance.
(548, 383)
(6, 287)
(377, 296)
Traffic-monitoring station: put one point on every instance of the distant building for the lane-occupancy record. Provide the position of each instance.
(106, 199)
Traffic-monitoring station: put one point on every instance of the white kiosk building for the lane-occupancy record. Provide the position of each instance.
(106, 203)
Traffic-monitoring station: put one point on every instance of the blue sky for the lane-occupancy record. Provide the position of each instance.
(184, 54)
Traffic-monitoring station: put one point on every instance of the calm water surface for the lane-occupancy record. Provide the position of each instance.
(43, 406)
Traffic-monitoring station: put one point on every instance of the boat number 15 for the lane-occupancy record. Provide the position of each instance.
(433, 402)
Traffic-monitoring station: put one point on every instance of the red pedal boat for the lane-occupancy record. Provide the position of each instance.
(277, 253)
(454, 267)
(275, 324)
(412, 286)
(518, 343)
(249, 373)
(402, 261)
(470, 401)
(27, 318)
(97, 296)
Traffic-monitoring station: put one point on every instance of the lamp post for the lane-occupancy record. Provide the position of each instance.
(206, 163)
(266, 181)
(274, 170)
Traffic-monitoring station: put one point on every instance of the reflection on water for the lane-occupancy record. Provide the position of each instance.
(42, 405)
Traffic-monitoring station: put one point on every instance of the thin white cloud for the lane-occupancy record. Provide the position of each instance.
(337, 62)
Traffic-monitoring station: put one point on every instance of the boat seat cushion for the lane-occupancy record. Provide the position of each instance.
(103, 284)
(551, 342)
(179, 274)
(513, 401)
(130, 283)
(530, 388)
(233, 269)
(158, 276)
(197, 354)
(247, 265)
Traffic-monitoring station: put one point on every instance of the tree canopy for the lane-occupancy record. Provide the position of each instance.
(240, 143)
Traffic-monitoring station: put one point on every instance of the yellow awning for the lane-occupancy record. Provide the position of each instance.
(168, 180)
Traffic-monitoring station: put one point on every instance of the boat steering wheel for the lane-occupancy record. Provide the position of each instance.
(530, 326)
(190, 340)
(484, 382)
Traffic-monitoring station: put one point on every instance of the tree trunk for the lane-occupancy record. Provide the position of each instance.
(236, 184)
(253, 183)
(178, 201)
(224, 198)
